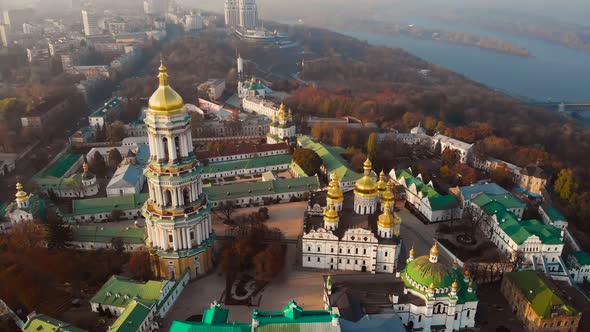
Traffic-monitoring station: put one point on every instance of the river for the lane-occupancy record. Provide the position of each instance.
(553, 72)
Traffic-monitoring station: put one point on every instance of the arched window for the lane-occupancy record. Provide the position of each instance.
(165, 142)
(186, 196)
(177, 146)
(167, 198)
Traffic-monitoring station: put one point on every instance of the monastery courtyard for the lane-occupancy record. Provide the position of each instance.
(303, 285)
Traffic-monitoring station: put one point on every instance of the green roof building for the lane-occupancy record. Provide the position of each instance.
(247, 166)
(137, 304)
(95, 237)
(332, 162)
(292, 317)
(425, 200)
(44, 323)
(255, 193)
(96, 209)
(537, 302)
(578, 263)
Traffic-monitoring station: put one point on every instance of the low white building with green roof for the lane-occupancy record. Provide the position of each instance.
(550, 215)
(43, 323)
(257, 165)
(138, 305)
(258, 193)
(332, 161)
(101, 209)
(65, 177)
(432, 205)
(540, 244)
(578, 264)
(91, 237)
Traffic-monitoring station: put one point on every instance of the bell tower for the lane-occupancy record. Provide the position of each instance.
(178, 223)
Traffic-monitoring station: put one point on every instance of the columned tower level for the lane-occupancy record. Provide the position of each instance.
(178, 222)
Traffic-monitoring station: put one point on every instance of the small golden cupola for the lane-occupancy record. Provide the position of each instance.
(282, 113)
(331, 217)
(165, 100)
(382, 183)
(434, 253)
(388, 223)
(22, 198)
(335, 195)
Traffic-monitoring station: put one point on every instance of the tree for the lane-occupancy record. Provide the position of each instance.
(449, 157)
(309, 161)
(116, 131)
(117, 214)
(118, 245)
(97, 164)
(501, 175)
(115, 158)
(139, 265)
(372, 146)
(269, 262)
(58, 232)
(564, 185)
(227, 208)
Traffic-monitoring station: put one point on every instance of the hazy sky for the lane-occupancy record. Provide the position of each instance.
(563, 10)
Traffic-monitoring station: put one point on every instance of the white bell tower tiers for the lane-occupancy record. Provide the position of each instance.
(178, 223)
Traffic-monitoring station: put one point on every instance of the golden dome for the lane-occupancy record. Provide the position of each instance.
(412, 251)
(21, 195)
(466, 273)
(282, 113)
(455, 263)
(431, 287)
(366, 186)
(455, 285)
(334, 191)
(85, 167)
(388, 197)
(165, 99)
(387, 219)
(382, 183)
(330, 214)
(434, 250)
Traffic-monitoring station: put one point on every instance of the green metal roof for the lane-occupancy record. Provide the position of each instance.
(215, 315)
(422, 271)
(249, 189)
(180, 326)
(508, 200)
(61, 166)
(538, 293)
(101, 234)
(582, 257)
(121, 291)
(442, 202)
(437, 201)
(554, 214)
(44, 323)
(248, 163)
(519, 231)
(292, 313)
(331, 159)
(108, 204)
(133, 316)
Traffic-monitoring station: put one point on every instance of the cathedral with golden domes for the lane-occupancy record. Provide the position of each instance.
(282, 127)
(354, 231)
(177, 214)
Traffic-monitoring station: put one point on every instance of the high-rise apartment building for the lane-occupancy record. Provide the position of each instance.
(242, 13)
(155, 7)
(90, 22)
(231, 11)
(248, 14)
